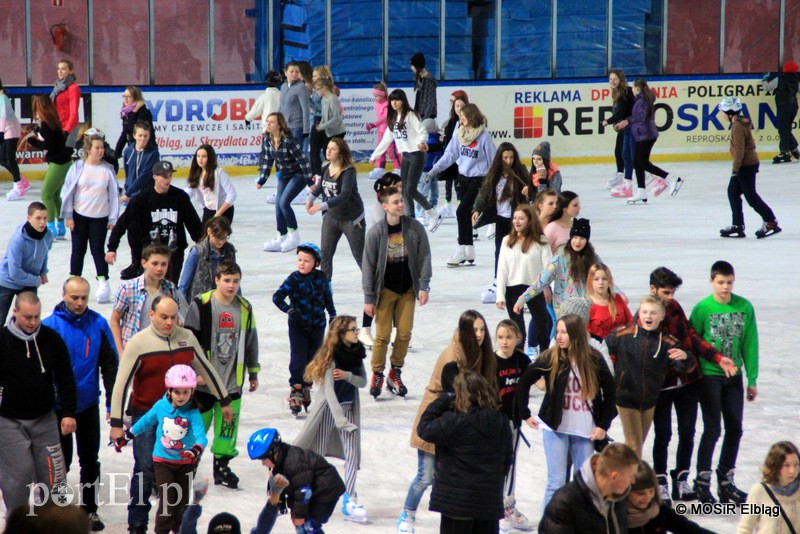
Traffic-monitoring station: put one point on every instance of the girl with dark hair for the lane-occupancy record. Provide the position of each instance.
(134, 109)
(778, 487)
(410, 138)
(425, 87)
(66, 96)
(333, 427)
(622, 95)
(50, 137)
(471, 348)
(469, 430)
(545, 174)
(199, 271)
(379, 93)
(210, 186)
(458, 99)
(557, 230)
(282, 149)
(578, 404)
(10, 132)
(267, 102)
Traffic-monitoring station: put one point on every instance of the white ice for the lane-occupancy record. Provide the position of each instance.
(680, 232)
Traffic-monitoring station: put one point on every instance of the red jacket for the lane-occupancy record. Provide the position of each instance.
(67, 106)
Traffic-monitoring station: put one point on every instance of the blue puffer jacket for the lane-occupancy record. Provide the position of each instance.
(91, 346)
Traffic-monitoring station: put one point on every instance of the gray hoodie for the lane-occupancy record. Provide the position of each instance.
(604, 506)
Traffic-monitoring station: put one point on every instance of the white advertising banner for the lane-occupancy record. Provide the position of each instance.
(568, 115)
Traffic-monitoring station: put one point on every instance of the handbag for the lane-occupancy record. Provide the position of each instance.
(783, 514)
(599, 444)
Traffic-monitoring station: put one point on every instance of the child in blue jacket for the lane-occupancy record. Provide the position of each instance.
(430, 188)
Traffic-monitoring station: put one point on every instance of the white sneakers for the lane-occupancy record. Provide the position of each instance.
(103, 293)
(273, 245)
(290, 241)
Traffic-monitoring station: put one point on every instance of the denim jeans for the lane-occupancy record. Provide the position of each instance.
(628, 152)
(144, 475)
(410, 173)
(557, 447)
(426, 464)
(288, 187)
(430, 190)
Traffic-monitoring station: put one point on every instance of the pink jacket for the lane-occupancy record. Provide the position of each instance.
(382, 112)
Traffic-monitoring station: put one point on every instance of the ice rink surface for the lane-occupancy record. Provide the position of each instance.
(679, 232)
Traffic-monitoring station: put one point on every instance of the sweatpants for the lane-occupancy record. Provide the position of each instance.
(398, 310)
(635, 426)
(641, 162)
(684, 399)
(174, 482)
(744, 183)
(8, 157)
(350, 444)
(51, 188)
(30, 452)
(332, 231)
(469, 192)
(303, 344)
(87, 437)
(410, 173)
(721, 398)
(538, 331)
(89, 231)
(225, 434)
(452, 525)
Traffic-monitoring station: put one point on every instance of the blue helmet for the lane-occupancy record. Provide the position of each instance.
(311, 248)
(262, 443)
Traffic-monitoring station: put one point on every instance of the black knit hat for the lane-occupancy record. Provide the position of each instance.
(580, 228)
(224, 523)
(418, 61)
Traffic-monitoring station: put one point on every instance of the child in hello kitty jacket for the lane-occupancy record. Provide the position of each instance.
(379, 92)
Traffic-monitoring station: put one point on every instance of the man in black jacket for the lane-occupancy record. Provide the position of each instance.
(34, 360)
(596, 501)
(162, 214)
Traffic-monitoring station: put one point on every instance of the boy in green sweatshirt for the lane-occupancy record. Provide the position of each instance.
(728, 322)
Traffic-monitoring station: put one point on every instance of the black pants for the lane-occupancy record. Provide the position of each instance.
(318, 141)
(175, 267)
(87, 436)
(469, 192)
(744, 183)
(786, 114)
(538, 331)
(618, 151)
(209, 214)
(7, 300)
(89, 231)
(8, 156)
(641, 162)
(685, 401)
(720, 398)
(502, 226)
(303, 344)
(450, 177)
(450, 525)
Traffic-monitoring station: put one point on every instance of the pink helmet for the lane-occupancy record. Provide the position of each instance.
(181, 376)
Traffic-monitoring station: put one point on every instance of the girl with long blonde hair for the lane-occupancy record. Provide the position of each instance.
(609, 309)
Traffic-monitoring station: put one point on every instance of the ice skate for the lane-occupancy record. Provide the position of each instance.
(783, 157)
(489, 295)
(96, 524)
(796, 153)
(290, 242)
(223, 476)
(103, 293)
(733, 230)
(659, 186)
(727, 490)
(17, 192)
(490, 230)
(61, 230)
(376, 173)
(446, 211)
(615, 181)
(394, 382)
(681, 490)
(514, 519)
(351, 510)
(274, 245)
(663, 489)
(767, 229)
(702, 488)
(624, 190)
(306, 397)
(365, 337)
(376, 385)
(675, 185)
(296, 399)
(131, 271)
(300, 198)
(405, 523)
(434, 219)
(640, 197)
(459, 257)
(469, 252)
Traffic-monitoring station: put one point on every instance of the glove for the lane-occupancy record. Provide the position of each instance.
(193, 454)
(277, 484)
(370, 126)
(247, 123)
(200, 489)
(121, 442)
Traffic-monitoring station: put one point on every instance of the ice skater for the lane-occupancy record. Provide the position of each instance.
(785, 86)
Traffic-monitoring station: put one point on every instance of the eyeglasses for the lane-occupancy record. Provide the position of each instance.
(355, 330)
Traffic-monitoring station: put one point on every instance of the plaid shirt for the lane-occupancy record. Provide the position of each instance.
(130, 300)
(288, 157)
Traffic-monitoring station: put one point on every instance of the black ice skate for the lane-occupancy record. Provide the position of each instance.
(733, 230)
(702, 487)
(768, 229)
(783, 157)
(376, 385)
(306, 397)
(727, 490)
(223, 476)
(296, 399)
(796, 153)
(681, 490)
(394, 383)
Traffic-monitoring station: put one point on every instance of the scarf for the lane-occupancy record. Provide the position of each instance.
(127, 109)
(33, 233)
(639, 518)
(466, 135)
(60, 86)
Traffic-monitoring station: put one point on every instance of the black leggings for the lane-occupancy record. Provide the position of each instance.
(91, 231)
(502, 226)
(618, 151)
(209, 214)
(744, 183)
(469, 192)
(451, 525)
(538, 331)
(8, 156)
(641, 162)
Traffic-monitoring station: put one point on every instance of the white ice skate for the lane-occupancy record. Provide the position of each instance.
(615, 181)
(272, 199)
(376, 173)
(489, 295)
(639, 197)
(675, 185)
(434, 219)
(446, 211)
(351, 510)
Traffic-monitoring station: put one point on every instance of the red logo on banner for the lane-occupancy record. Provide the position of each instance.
(528, 122)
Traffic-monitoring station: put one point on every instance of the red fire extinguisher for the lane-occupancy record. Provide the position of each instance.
(60, 35)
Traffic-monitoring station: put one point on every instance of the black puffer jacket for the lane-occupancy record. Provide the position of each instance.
(306, 469)
(473, 454)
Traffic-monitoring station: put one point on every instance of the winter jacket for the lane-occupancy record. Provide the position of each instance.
(331, 120)
(199, 270)
(309, 296)
(200, 321)
(33, 369)
(91, 347)
(306, 470)
(785, 86)
(224, 191)
(642, 120)
(473, 161)
(553, 182)
(138, 168)
(54, 144)
(9, 123)
(425, 98)
(743, 146)
(768, 524)
(294, 105)
(177, 430)
(641, 359)
(25, 259)
(668, 520)
(67, 104)
(128, 122)
(622, 108)
(453, 353)
(267, 102)
(405, 139)
(550, 412)
(435, 150)
(578, 507)
(376, 250)
(473, 455)
(71, 184)
(340, 198)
